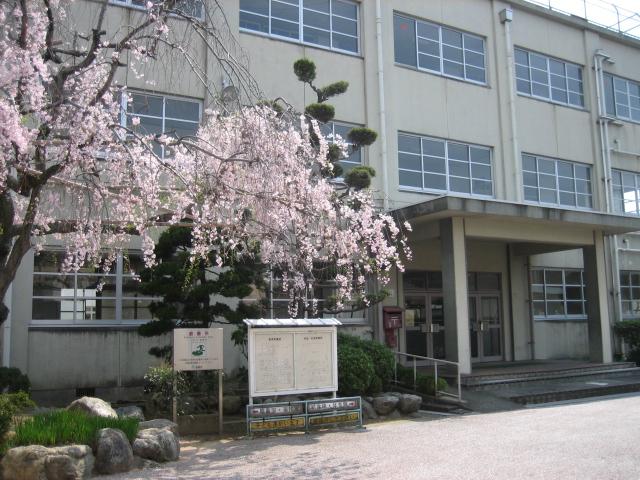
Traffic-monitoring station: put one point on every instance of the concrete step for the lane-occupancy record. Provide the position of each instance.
(573, 392)
(488, 382)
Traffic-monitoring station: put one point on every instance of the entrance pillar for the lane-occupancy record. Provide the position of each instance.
(455, 294)
(596, 293)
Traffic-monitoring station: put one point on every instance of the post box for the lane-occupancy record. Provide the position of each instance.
(391, 322)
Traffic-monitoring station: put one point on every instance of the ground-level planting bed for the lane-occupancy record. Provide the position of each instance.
(67, 427)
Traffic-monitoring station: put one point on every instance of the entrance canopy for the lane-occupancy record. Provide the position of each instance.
(516, 223)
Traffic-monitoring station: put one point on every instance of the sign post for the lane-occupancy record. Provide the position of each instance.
(196, 349)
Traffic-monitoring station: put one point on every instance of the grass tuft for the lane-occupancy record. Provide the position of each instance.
(68, 427)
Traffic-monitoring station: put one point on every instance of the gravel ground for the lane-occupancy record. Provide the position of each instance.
(591, 440)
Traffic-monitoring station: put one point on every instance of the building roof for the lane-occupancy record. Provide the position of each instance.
(292, 322)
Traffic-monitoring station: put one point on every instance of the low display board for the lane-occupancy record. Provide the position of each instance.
(288, 361)
(197, 349)
(304, 415)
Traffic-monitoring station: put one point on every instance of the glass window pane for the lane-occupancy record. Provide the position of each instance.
(317, 37)
(553, 277)
(522, 57)
(482, 187)
(409, 144)
(451, 37)
(344, 9)
(522, 72)
(480, 155)
(547, 181)
(475, 74)
(453, 69)
(452, 53)
(284, 29)
(459, 169)
(575, 308)
(566, 184)
(488, 281)
(429, 62)
(481, 171)
(409, 161)
(320, 5)
(434, 164)
(540, 90)
(555, 308)
(255, 6)
(559, 95)
(254, 22)
(539, 309)
(316, 20)
(434, 280)
(430, 47)
(53, 285)
(284, 11)
(537, 276)
(458, 151)
(404, 31)
(556, 67)
(434, 148)
(538, 61)
(437, 182)
(347, 27)
(410, 179)
(474, 43)
(539, 76)
(531, 194)
(145, 104)
(554, 293)
(136, 309)
(182, 110)
(461, 185)
(43, 309)
(537, 292)
(573, 277)
(530, 179)
(548, 196)
(414, 280)
(529, 163)
(523, 86)
(429, 31)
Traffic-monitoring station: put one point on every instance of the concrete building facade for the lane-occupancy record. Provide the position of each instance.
(509, 139)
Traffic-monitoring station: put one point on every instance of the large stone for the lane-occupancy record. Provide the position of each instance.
(385, 404)
(113, 452)
(159, 423)
(95, 407)
(368, 411)
(409, 403)
(157, 444)
(130, 411)
(35, 462)
(395, 415)
(231, 404)
(74, 462)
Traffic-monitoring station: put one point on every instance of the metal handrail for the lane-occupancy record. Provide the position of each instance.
(435, 361)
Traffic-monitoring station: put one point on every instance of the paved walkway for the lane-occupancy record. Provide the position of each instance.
(592, 440)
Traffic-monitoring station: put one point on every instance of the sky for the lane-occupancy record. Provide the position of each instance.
(603, 12)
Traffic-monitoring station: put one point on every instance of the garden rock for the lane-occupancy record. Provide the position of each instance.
(395, 415)
(368, 411)
(231, 404)
(35, 462)
(74, 462)
(143, 463)
(92, 406)
(131, 411)
(157, 444)
(159, 423)
(113, 452)
(385, 404)
(409, 403)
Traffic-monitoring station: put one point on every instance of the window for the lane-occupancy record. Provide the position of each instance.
(332, 129)
(548, 78)
(88, 297)
(622, 98)
(429, 164)
(557, 293)
(626, 192)
(557, 182)
(630, 294)
(175, 117)
(326, 23)
(438, 49)
(192, 8)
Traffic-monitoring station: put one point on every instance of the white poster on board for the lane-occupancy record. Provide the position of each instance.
(197, 349)
(293, 360)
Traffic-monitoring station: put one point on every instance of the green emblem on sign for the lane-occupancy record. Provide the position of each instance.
(198, 351)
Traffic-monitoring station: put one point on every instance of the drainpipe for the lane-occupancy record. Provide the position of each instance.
(598, 59)
(506, 17)
(6, 334)
(382, 108)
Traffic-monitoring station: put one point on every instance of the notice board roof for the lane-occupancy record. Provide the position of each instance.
(292, 322)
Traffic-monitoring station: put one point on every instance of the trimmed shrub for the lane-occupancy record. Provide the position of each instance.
(12, 380)
(629, 330)
(11, 404)
(68, 427)
(379, 357)
(355, 370)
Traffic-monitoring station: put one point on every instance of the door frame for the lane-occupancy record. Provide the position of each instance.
(481, 358)
(428, 296)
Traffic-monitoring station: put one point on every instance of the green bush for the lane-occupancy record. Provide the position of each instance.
(11, 404)
(629, 331)
(159, 388)
(67, 427)
(424, 383)
(379, 357)
(12, 380)
(355, 370)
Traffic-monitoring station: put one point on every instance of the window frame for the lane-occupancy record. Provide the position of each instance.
(131, 4)
(119, 276)
(301, 25)
(441, 46)
(631, 288)
(348, 125)
(628, 83)
(550, 87)
(565, 301)
(124, 113)
(557, 189)
(621, 186)
(447, 173)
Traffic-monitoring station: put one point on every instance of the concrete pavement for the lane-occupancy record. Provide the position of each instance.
(599, 439)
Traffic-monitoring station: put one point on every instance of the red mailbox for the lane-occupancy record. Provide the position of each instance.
(391, 322)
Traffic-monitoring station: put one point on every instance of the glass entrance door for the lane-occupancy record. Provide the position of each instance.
(485, 327)
(424, 325)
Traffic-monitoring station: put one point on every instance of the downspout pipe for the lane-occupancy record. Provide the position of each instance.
(506, 18)
(382, 108)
